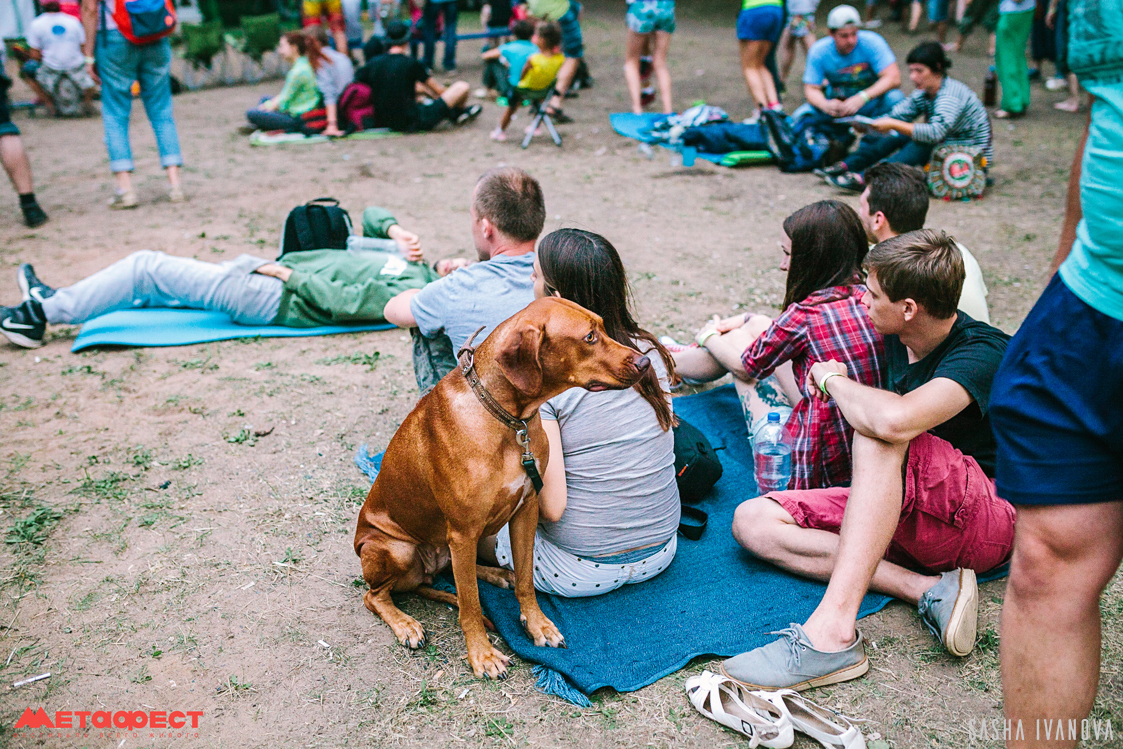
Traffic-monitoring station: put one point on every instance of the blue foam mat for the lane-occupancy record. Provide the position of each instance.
(181, 327)
(638, 127)
(715, 599)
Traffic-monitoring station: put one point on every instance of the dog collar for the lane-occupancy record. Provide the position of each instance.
(467, 359)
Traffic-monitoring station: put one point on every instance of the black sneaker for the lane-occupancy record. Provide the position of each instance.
(468, 114)
(21, 327)
(829, 171)
(31, 286)
(847, 181)
(33, 215)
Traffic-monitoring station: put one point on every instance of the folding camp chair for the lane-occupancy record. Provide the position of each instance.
(539, 103)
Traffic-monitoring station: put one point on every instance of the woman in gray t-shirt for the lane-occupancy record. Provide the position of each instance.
(609, 507)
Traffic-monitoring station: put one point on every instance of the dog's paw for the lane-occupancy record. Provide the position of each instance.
(409, 632)
(542, 631)
(487, 662)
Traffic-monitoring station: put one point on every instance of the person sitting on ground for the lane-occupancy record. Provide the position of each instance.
(538, 74)
(394, 79)
(922, 516)
(503, 65)
(300, 290)
(823, 245)
(507, 215)
(55, 40)
(953, 113)
(609, 506)
(895, 201)
(291, 111)
(334, 74)
(851, 72)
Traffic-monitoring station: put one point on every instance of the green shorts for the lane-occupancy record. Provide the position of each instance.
(647, 16)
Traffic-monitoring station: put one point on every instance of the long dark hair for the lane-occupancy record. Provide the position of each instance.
(584, 267)
(828, 247)
(307, 46)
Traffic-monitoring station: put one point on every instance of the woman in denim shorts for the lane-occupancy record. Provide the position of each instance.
(650, 25)
(758, 29)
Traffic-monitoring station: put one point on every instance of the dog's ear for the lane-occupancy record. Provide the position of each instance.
(518, 358)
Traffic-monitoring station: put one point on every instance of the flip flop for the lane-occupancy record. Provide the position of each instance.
(724, 701)
(829, 728)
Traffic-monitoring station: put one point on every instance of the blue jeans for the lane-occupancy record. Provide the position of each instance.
(429, 33)
(898, 149)
(120, 63)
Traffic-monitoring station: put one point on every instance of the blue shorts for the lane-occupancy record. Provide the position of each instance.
(938, 10)
(1057, 405)
(648, 16)
(573, 44)
(761, 24)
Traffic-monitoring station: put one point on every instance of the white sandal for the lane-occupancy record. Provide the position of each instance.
(725, 701)
(832, 730)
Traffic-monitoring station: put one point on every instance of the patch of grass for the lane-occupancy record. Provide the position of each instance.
(988, 641)
(141, 457)
(234, 686)
(109, 486)
(357, 357)
(141, 676)
(203, 365)
(292, 557)
(186, 462)
(499, 727)
(264, 365)
(244, 436)
(34, 528)
(85, 369)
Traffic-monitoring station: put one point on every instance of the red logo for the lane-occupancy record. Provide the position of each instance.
(123, 719)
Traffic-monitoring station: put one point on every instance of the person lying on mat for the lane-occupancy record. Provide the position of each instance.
(295, 109)
(609, 505)
(824, 244)
(921, 517)
(301, 290)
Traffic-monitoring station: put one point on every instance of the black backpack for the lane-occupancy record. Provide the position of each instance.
(697, 468)
(319, 224)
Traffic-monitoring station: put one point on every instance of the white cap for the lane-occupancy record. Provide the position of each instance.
(843, 15)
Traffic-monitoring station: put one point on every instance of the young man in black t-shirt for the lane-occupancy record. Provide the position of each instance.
(921, 516)
(395, 79)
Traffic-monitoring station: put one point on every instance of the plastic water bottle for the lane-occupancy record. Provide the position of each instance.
(772, 456)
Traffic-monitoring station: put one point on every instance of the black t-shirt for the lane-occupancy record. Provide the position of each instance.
(970, 356)
(393, 79)
(500, 13)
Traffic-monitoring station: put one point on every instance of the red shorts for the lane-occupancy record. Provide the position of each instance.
(950, 517)
(315, 10)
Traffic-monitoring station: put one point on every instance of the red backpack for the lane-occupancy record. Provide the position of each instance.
(356, 110)
(144, 21)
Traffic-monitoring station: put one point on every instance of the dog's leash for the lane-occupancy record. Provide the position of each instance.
(466, 355)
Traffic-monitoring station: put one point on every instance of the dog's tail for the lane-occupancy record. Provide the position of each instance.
(443, 596)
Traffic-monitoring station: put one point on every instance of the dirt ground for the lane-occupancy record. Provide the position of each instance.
(160, 556)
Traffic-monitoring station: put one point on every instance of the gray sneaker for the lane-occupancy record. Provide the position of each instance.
(793, 663)
(950, 610)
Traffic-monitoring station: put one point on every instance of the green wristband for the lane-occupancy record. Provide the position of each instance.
(823, 382)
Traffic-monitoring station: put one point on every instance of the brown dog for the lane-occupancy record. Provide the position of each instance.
(453, 474)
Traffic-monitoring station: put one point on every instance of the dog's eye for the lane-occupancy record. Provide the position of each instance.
(591, 338)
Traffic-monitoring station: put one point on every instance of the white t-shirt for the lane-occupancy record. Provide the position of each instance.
(60, 38)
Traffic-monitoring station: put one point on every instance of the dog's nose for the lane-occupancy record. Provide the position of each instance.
(641, 363)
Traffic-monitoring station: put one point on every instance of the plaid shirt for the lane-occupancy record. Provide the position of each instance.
(829, 324)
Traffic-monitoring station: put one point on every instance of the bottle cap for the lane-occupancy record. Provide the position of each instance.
(773, 415)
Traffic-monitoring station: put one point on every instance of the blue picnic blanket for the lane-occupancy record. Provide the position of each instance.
(710, 142)
(715, 599)
(161, 326)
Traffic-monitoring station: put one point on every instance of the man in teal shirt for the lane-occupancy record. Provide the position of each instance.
(300, 290)
(1057, 411)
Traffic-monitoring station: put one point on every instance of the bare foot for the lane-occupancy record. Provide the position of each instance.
(1068, 105)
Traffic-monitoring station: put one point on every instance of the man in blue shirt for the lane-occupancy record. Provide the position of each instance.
(852, 72)
(508, 213)
(1057, 411)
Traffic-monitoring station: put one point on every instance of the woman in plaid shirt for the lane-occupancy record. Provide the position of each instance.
(823, 319)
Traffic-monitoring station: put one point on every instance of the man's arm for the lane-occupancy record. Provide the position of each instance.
(887, 80)
(89, 24)
(1073, 210)
(884, 415)
(816, 98)
(433, 88)
(492, 54)
(397, 311)
(35, 54)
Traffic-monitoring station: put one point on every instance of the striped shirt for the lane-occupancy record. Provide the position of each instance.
(954, 117)
(829, 324)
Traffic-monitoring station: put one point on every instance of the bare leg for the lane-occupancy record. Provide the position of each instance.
(47, 100)
(914, 15)
(787, 52)
(124, 181)
(173, 175)
(662, 73)
(1064, 556)
(565, 80)
(872, 513)
(757, 78)
(633, 50)
(785, 374)
(340, 36)
(16, 163)
(766, 529)
(456, 95)
(698, 364)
